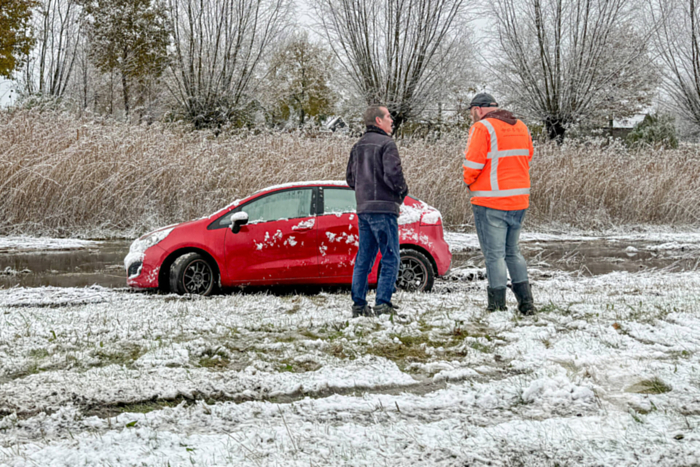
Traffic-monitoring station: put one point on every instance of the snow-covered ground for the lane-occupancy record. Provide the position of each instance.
(25, 244)
(608, 373)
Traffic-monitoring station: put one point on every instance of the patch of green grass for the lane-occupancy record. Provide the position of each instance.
(423, 326)
(678, 354)
(214, 358)
(38, 353)
(146, 407)
(213, 362)
(650, 386)
(411, 341)
(478, 346)
(286, 338)
(126, 356)
(298, 367)
(399, 353)
(562, 309)
(310, 334)
(136, 407)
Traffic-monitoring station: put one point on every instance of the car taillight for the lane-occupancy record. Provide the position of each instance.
(431, 218)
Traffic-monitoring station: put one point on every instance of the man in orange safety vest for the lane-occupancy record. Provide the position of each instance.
(497, 171)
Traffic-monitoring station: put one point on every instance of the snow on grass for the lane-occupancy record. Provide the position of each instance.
(27, 244)
(608, 373)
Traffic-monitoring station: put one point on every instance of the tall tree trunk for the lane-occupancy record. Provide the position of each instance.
(125, 90)
(125, 82)
(555, 129)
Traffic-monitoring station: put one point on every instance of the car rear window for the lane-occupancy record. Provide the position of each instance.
(338, 200)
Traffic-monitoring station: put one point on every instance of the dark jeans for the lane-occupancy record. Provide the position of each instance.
(377, 232)
(499, 232)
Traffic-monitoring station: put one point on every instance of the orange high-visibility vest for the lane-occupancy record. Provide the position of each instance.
(497, 164)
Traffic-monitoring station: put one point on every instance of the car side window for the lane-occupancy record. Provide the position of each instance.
(338, 200)
(288, 204)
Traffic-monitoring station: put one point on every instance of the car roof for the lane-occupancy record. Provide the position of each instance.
(306, 183)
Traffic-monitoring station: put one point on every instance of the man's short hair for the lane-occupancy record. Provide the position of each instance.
(373, 112)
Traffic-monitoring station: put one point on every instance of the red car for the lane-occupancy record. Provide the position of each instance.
(298, 233)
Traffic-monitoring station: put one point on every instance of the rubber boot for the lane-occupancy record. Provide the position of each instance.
(385, 308)
(523, 293)
(497, 299)
(358, 311)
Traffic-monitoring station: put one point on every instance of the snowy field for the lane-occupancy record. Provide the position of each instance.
(607, 374)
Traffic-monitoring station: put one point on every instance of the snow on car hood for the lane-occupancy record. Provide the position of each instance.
(411, 214)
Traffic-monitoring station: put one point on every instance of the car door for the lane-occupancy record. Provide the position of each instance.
(279, 243)
(338, 237)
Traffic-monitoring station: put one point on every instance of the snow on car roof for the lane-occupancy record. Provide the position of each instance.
(292, 184)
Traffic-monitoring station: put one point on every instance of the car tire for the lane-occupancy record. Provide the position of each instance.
(416, 274)
(193, 274)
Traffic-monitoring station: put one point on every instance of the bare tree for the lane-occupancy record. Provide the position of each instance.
(396, 52)
(218, 46)
(51, 63)
(564, 61)
(678, 47)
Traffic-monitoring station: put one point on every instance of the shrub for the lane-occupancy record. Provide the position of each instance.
(656, 130)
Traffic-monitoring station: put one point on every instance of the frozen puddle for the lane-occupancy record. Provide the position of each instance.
(606, 374)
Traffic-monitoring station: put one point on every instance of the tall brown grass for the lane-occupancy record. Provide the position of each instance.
(62, 176)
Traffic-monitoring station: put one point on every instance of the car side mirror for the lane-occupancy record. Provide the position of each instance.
(237, 220)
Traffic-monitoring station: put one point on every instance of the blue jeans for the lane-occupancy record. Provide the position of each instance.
(499, 232)
(378, 232)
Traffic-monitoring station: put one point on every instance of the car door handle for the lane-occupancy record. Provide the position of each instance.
(301, 229)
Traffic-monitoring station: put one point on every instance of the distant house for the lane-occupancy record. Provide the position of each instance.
(622, 127)
(335, 124)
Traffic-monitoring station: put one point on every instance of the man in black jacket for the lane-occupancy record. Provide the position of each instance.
(374, 172)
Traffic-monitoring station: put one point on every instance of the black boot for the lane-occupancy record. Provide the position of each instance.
(358, 311)
(497, 299)
(385, 308)
(523, 293)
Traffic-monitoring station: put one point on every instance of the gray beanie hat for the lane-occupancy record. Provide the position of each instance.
(483, 99)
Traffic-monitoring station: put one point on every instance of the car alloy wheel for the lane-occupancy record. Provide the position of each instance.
(198, 277)
(192, 273)
(415, 272)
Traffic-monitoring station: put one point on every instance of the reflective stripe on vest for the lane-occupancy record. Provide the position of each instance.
(501, 193)
(495, 155)
(473, 165)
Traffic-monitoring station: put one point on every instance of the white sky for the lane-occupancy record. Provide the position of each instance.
(6, 97)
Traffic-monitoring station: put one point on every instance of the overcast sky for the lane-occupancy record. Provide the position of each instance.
(5, 95)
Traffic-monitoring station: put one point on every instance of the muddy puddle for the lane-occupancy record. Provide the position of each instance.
(597, 257)
(102, 264)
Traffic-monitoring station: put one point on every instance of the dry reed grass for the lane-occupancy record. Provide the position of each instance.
(67, 177)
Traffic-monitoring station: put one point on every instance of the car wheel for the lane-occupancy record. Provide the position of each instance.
(191, 273)
(415, 272)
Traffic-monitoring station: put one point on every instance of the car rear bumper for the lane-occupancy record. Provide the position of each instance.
(443, 260)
